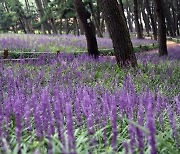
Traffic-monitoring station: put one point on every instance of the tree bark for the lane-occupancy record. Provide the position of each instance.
(170, 23)
(60, 26)
(129, 20)
(67, 26)
(145, 18)
(153, 23)
(89, 28)
(176, 15)
(51, 19)
(99, 33)
(137, 24)
(119, 33)
(76, 28)
(102, 25)
(22, 20)
(161, 27)
(44, 25)
(81, 27)
(29, 19)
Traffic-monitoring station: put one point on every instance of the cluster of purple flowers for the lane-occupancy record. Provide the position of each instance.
(47, 43)
(58, 95)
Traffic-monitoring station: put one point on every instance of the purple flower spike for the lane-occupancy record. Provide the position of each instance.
(140, 136)
(114, 123)
(70, 128)
(126, 147)
(173, 125)
(151, 126)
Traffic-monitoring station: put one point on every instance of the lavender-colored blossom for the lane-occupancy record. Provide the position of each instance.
(114, 123)
(132, 133)
(140, 135)
(177, 100)
(70, 127)
(126, 147)
(173, 125)
(151, 126)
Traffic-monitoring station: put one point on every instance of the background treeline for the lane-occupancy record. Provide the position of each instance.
(60, 17)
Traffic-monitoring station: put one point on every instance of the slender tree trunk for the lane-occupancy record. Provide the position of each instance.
(51, 20)
(98, 12)
(153, 23)
(76, 28)
(177, 17)
(88, 26)
(60, 26)
(145, 18)
(29, 19)
(22, 25)
(119, 33)
(41, 14)
(97, 25)
(81, 27)
(22, 20)
(161, 27)
(102, 25)
(137, 24)
(170, 23)
(53, 26)
(129, 20)
(67, 26)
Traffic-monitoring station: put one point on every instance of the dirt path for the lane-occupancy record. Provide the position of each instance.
(169, 44)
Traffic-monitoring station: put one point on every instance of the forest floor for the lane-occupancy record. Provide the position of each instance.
(169, 45)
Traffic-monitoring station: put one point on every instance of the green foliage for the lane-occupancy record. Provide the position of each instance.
(7, 19)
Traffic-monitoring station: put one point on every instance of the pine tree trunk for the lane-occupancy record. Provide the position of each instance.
(119, 32)
(137, 24)
(129, 20)
(51, 20)
(102, 25)
(29, 19)
(97, 25)
(177, 17)
(81, 27)
(60, 26)
(22, 20)
(89, 28)
(170, 23)
(161, 27)
(41, 14)
(98, 13)
(67, 26)
(76, 28)
(153, 23)
(145, 18)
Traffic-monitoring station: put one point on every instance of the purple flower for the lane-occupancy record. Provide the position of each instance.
(70, 128)
(140, 136)
(173, 125)
(126, 147)
(114, 123)
(151, 125)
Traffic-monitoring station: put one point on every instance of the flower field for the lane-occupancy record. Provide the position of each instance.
(49, 43)
(74, 104)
